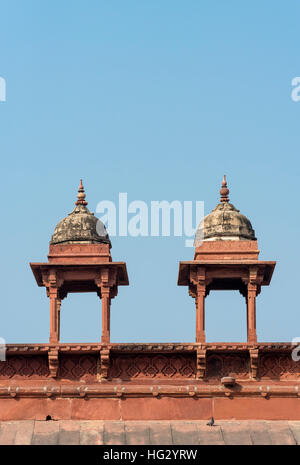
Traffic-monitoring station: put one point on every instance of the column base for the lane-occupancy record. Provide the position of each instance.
(105, 339)
(200, 337)
(252, 337)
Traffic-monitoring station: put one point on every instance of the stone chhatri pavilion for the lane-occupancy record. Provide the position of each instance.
(226, 258)
(158, 381)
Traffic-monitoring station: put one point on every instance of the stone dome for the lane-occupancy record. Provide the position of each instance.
(80, 226)
(225, 223)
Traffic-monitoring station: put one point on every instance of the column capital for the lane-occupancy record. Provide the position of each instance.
(201, 288)
(52, 292)
(197, 274)
(198, 277)
(107, 277)
(105, 290)
(254, 278)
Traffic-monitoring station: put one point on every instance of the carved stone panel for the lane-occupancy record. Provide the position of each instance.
(24, 367)
(279, 366)
(220, 365)
(153, 366)
(77, 366)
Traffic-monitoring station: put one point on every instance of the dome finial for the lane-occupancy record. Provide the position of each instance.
(81, 195)
(224, 191)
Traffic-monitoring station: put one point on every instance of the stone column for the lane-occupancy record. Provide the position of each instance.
(105, 296)
(53, 316)
(58, 317)
(200, 313)
(251, 313)
(247, 314)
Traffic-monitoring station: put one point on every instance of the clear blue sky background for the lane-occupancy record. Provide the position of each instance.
(158, 99)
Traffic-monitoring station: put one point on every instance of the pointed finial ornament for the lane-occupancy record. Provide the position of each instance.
(81, 195)
(224, 191)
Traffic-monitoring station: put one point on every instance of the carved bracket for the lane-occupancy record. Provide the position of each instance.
(53, 362)
(104, 362)
(193, 291)
(51, 280)
(107, 277)
(254, 360)
(253, 281)
(197, 275)
(201, 363)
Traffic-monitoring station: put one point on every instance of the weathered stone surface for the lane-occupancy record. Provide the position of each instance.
(236, 433)
(259, 433)
(114, 433)
(185, 433)
(295, 429)
(95, 409)
(80, 226)
(210, 435)
(280, 433)
(165, 408)
(90, 437)
(137, 433)
(7, 433)
(160, 432)
(69, 438)
(69, 433)
(149, 433)
(225, 222)
(245, 408)
(91, 432)
(24, 432)
(45, 432)
(34, 409)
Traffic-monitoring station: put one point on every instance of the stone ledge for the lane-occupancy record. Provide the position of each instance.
(150, 432)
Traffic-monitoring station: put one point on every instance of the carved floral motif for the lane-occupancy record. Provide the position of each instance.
(153, 366)
(77, 366)
(279, 366)
(24, 366)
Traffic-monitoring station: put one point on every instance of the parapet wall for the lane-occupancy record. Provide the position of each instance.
(150, 381)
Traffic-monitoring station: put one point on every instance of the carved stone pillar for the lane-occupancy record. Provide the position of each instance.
(105, 296)
(58, 302)
(53, 283)
(200, 312)
(53, 316)
(247, 312)
(107, 285)
(251, 313)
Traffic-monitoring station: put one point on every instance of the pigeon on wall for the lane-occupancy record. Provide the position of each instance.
(211, 422)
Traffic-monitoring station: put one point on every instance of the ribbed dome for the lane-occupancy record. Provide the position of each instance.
(80, 226)
(225, 222)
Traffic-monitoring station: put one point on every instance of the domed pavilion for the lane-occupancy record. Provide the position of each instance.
(226, 258)
(79, 260)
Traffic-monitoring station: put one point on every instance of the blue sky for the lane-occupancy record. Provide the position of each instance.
(159, 100)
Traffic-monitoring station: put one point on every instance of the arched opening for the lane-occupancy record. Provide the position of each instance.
(225, 317)
(80, 318)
